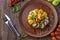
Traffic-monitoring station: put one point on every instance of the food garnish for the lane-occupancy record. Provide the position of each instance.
(38, 18)
(16, 8)
(23, 35)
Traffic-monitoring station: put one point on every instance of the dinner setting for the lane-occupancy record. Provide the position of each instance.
(30, 20)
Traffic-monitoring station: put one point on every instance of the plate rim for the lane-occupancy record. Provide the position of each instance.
(56, 18)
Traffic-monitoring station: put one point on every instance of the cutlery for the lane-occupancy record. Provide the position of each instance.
(9, 22)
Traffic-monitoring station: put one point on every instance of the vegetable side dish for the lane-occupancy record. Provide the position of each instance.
(38, 18)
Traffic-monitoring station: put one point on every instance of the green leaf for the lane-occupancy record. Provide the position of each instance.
(23, 35)
(13, 9)
(32, 17)
(18, 6)
(43, 18)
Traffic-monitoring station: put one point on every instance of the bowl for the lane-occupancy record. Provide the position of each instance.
(39, 4)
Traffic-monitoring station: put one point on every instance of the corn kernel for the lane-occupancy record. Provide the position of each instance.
(30, 21)
(44, 14)
(41, 11)
(29, 17)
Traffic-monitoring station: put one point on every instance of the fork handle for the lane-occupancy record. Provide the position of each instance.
(13, 28)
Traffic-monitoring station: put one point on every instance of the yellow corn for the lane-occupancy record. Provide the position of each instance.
(44, 14)
(29, 17)
(36, 10)
(41, 11)
(30, 21)
(39, 16)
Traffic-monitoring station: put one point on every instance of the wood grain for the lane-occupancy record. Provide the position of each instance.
(5, 32)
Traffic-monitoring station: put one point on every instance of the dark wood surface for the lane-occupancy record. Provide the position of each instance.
(5, 32)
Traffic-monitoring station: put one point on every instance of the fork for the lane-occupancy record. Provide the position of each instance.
(10, 24)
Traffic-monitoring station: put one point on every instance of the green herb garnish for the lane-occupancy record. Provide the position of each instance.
(33, 16)
(23, 35)
(13, 9)
(16, 8)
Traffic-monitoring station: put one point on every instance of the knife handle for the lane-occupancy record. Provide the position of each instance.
(13, 28)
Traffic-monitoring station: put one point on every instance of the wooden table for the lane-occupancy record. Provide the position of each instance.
(5, 32)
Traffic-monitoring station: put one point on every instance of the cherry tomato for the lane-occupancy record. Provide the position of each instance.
(10, 3)
(58, 37)
(12, 0)
(53, 38)
(52, 34)
(19, 0)
(56, 33)
(58, 30)
(58, 26)
(15, 1)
